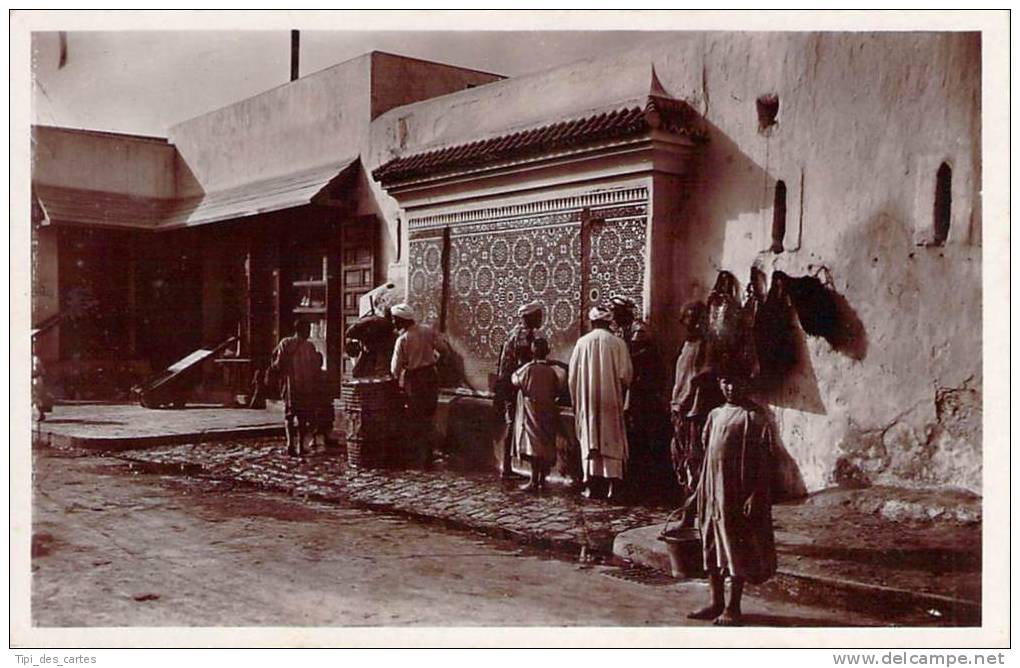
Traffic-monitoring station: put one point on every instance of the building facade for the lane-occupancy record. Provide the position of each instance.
(238, 223)
(847, 165)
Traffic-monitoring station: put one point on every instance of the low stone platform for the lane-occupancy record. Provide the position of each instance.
(123, 426)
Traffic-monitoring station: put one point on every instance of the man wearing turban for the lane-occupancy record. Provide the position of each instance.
(414, 366)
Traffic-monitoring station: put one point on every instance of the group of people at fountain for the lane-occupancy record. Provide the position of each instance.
(722, 443)
(607, 369)
(720, 446)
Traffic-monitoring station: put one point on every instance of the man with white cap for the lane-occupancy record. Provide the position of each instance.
(414, 366)
(515, 353)
(599, 373)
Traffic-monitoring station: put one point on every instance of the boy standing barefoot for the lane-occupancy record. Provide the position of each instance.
(733, 501)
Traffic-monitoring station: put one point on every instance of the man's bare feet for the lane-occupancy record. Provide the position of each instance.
(708, 612)
(728, 618)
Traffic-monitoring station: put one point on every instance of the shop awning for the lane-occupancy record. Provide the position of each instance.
(74, 206)
(313, 186)
(95, 208)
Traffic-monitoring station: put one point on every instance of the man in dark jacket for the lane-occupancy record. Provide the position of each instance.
(646, 409)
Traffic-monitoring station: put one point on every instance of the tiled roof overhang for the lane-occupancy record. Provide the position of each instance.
(660, 113)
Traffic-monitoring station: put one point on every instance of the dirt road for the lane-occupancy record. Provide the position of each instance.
(116, 548)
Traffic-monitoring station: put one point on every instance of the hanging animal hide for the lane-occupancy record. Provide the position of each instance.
(815, 303)
(724, 334)
(775, 334)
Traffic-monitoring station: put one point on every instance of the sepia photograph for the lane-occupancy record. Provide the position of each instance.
(511, 324)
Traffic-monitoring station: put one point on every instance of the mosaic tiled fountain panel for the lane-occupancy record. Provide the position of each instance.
(494, 260)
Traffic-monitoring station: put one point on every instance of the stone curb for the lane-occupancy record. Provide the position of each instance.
(885, 602)
(641, 546)
(56, 439)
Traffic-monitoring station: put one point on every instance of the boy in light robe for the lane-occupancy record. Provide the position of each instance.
(733, 502)
(515, 353)
(536, 424)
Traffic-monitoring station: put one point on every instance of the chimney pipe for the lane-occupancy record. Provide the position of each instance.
(295, 53)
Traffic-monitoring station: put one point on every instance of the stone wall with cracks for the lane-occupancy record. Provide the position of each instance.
(891, 393)
(904, 405)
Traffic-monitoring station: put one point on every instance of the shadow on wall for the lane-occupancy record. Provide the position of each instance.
(452, 366)
(729, 184)
(186, 184)
(731, 188)
(798, 307)
(452, 372)
(787, 481)
(791, 381)
(786, 376)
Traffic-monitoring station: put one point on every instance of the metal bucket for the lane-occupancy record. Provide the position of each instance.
(683, 544)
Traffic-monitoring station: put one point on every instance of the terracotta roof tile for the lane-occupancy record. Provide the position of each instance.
(676, 116)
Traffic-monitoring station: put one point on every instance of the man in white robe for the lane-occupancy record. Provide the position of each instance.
(599, 372)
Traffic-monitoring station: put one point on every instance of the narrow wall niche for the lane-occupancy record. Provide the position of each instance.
(768, 109)
(943, 208)
(779, 218)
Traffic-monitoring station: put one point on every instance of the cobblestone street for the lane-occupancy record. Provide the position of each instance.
(559, 519)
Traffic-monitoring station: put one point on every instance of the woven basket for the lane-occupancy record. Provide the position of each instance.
(368, 406)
